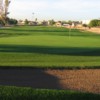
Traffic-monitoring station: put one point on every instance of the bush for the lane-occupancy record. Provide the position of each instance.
(12, 21)
(84, 25)
(26, 22)
(94, 23)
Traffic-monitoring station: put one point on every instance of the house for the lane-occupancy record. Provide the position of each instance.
(21, 22)
(86, 22)
(66, 25)
(33, 23)
(58, 24)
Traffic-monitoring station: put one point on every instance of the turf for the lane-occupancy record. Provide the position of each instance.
(18, 93)
(48, 47)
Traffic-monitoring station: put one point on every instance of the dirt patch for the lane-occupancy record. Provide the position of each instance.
(93, 30)
(80, 80)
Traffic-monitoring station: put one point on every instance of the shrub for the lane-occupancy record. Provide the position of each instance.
(94, 23)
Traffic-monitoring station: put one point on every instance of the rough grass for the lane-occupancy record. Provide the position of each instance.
(15, 93)
(51, 47)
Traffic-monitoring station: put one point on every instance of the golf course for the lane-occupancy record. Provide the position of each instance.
(47, 62)
(48, 47)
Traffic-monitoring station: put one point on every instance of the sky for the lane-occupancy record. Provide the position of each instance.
(55, 9)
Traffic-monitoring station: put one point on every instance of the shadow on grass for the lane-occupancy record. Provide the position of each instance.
(74, 51)
(42, 31)
(39, 29)
(13, 34)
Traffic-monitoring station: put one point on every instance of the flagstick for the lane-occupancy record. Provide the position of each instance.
(69, 31)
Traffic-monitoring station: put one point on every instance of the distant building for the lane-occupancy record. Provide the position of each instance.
(33, 23)
(86, 22)
(58, 24)
(21, 22)
(79, 26)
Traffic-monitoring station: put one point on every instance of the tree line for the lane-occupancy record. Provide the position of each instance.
(9, 21)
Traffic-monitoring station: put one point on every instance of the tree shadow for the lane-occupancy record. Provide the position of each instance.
(36, 78)
(37, 29)
(74, 51)
(3, 34)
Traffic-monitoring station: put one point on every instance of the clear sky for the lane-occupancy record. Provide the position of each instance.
(55, 9)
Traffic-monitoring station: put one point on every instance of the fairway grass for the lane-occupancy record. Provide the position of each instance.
(48, 47)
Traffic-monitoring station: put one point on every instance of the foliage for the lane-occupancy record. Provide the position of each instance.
(9, 21)
(70, 22)
(1, 23)
(15, 93)
(94, 23)
(12, 21)
(85, 25)
(65, 22)
(44, 23)
(26, 22)
(51, 22)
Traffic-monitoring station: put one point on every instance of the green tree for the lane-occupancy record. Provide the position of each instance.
(64, 22)
(70, 22)
(26, 22)
(85, 25)
(51, 22)
(94, 23)
(98, 22)
(12, 21)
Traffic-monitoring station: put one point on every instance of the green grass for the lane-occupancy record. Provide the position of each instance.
(47, 47)
(43, 47)
(18, 93)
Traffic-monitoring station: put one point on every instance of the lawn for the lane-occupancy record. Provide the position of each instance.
(48, 47)
(15, 93)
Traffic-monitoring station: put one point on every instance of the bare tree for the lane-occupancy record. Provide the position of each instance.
(4, 5)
